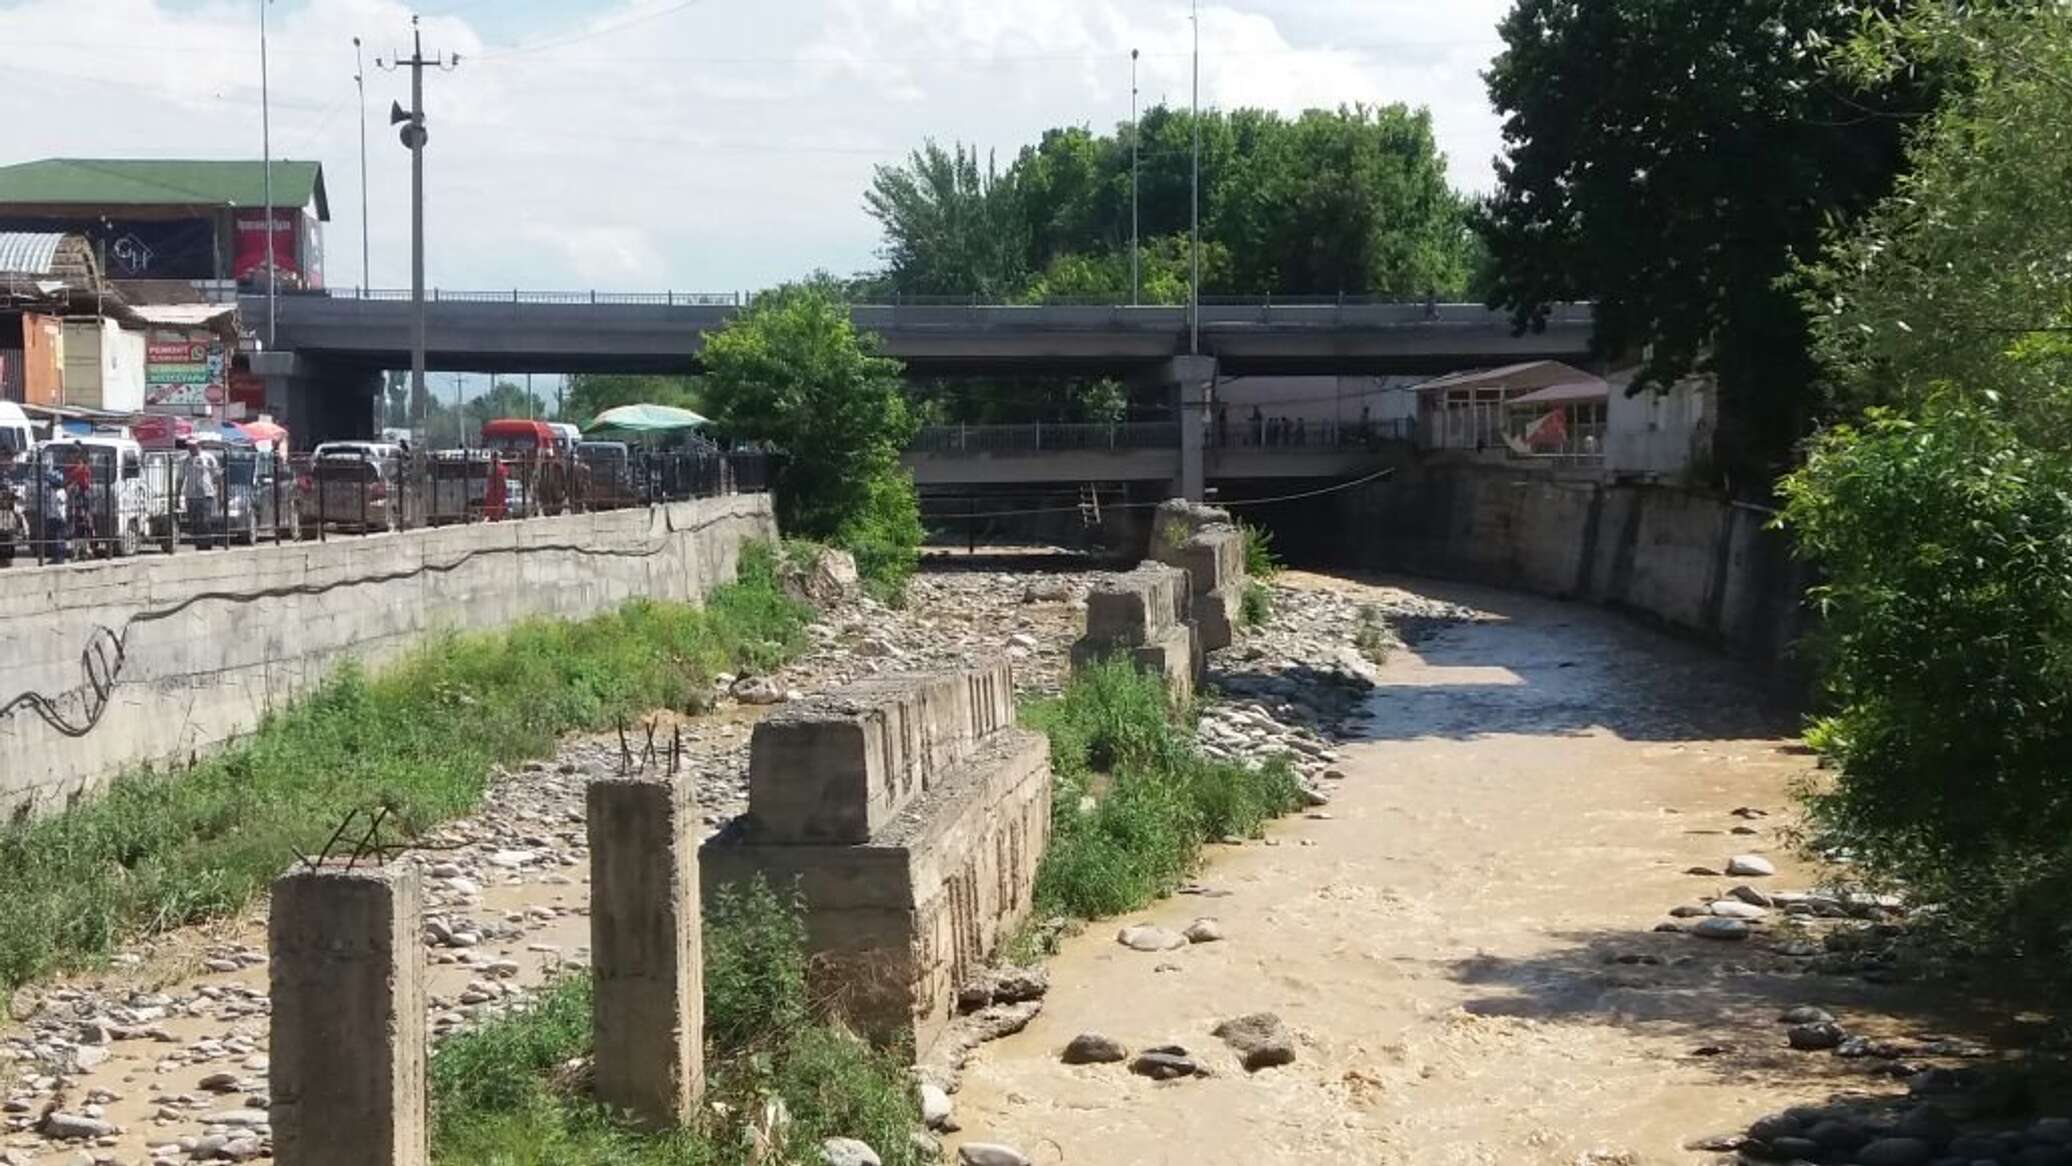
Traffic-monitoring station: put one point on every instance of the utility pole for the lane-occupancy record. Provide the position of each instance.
(1136, 280)
(1194, 213)
(266, 164)
(360, 80)
(414, 137)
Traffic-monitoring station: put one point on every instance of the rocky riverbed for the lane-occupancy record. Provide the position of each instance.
(164, 1057)
(1542, 910)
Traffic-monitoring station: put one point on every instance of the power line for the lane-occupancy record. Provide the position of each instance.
(592, 34)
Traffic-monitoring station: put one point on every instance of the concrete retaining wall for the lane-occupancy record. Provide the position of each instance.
(200, 646)
(953, 804)
(1700, 564)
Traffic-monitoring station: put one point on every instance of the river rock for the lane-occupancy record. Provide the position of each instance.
(1164, 1063)
(1736, 909)
(1145, 937)
(757, 690)
(60, 1124)
(1750, 896)
(1806, 1014)
(1750, 866)
(935, 1105)
(1821, 1034)
(1204, 930)
(990, 1154)
(1895, 1152)
(1261, 1040)
(1720, 928)
(847, 1152)
(1091, 1048)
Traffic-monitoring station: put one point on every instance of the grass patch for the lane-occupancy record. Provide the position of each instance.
(1255, 607)
(1372, 636)
(166, 847)
(1113, 730)
(1260, 561)
(513, 1092)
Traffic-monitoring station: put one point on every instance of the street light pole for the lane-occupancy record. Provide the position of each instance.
(360, 79)
(266, 147)
(1194, 197)
(1136, 280)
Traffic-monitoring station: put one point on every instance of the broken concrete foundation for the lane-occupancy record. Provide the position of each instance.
(1204, 542)
(1145, 615)
(910, 813)
(347, 1053)
(648, 1012)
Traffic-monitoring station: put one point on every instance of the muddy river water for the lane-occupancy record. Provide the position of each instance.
(1463, 942)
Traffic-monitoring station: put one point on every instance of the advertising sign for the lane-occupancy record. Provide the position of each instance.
(248, 259)
(140, 249)
(182, 374)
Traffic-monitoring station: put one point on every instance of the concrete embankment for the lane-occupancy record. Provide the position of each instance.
(1700, 564)
(138, 661)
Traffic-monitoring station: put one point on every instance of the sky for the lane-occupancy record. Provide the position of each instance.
(688, 145)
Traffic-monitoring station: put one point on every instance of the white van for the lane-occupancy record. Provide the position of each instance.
(17, 441)
(117, 499)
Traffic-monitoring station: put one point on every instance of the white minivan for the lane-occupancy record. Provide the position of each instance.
(116, 501)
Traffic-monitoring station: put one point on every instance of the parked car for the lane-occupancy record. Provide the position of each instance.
(258, 498)
(465, 486)
(358, 485)
(17, 451)
(112, 472)
(608, 466)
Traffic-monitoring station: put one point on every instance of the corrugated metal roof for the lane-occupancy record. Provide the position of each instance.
(29, 252)
(162, 182)
(1573, 391)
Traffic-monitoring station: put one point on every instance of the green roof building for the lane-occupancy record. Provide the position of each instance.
(177, 219)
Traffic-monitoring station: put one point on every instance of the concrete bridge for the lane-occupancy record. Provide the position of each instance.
(322, 371)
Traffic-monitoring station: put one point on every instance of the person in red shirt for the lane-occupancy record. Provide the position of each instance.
(495, 496)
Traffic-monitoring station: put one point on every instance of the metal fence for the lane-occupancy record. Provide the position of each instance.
(1043, 438)
(1235, 430)
(77, 500)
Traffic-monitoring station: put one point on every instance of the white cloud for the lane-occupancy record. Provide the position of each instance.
(705, 146)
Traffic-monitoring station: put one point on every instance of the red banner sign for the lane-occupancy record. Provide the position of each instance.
(249, 259)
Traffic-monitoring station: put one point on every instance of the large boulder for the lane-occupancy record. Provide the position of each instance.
(825, 578)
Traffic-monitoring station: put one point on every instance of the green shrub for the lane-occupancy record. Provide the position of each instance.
(886, 537)
(505, 1094)
(165, 847)
(1161, 799)
(1945, 547)
(1256, 606)
(1260, 561)
(755, 965)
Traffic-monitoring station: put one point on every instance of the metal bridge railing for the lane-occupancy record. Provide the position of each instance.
(1044, 438)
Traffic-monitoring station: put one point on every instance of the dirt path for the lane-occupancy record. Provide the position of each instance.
(1463, 941)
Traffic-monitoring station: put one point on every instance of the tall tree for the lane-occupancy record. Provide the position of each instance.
(794, 372)
(505, 399)
(592, 393)
(1673, 163)
(951, 228)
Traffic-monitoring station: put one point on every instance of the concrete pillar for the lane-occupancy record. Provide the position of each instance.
(644, 948)
(1193, 378)
(348, 1033)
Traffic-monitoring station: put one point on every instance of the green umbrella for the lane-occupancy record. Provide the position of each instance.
(645, 419)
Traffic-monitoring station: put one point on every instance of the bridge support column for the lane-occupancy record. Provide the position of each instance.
(318, 400)
(1193, 378)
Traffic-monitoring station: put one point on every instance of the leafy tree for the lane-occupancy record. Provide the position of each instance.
(1163, 271)
(592, 393)
(950, 227)
(1348, 201)
(504, 399)
(1673, 163)
(793, 371)
(1352, 201)
(1942, 525)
